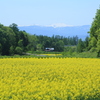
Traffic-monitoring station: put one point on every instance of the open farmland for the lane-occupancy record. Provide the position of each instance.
(49, 79)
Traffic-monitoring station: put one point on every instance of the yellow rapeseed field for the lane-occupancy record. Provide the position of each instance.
(49, 79)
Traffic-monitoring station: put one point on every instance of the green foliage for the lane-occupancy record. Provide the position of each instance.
(86, 54)
(39, 47)
(86, 43)
(93, 49)
(20, 43)
(11, 51)
(98, 46)
(10, 38)
(0, 48)
(94, 43)
(80, 46)
(59, 46)
(69, 51)
(32, 42)
(18, 50)
(57, 42)
(7, 39)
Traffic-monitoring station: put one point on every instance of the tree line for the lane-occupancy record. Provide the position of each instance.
(14, 41)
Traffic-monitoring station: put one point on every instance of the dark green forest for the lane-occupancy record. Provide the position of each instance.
(14, 41)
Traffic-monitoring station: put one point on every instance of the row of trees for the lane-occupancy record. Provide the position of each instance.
(57, 42)
(13, 41)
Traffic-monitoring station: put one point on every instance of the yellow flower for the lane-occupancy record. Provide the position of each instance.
(49, 78)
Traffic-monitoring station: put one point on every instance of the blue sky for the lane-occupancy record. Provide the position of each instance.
(48, 12)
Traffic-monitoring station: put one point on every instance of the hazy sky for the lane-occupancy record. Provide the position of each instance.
(48, 12)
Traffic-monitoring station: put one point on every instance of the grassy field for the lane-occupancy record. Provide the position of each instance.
(49, 79)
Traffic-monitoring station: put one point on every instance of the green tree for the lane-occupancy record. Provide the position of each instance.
(15, 29)
(11, 51)
(39, 47)
(86, 43)
(18, 50)
(80, 46)
(10, 38)
(92, 44)
(98, 46)
(32, 39)
(24, 37)
(0, 48)
(59, 46)
(20, 43)
(7, 38)
(95, 32)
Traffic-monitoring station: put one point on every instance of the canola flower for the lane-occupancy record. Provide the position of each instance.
(50, 54)
(49, 79)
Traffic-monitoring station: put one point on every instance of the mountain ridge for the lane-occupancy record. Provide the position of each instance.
(66, 31)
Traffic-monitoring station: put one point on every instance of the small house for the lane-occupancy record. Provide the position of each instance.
(49, 49)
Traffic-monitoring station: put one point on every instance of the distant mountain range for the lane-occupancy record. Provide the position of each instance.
(80, 31)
